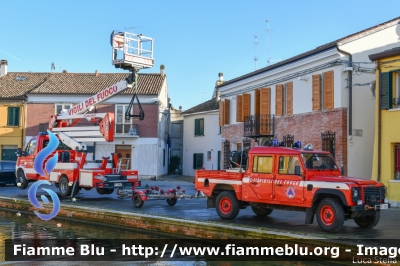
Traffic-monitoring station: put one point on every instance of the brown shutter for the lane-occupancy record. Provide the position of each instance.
(328, 90)
(265, 111)
(316, 92)
(279, 100)
(239, 109)
(257, 102)
(265, 101)
(246, 106)
(221, 113)
(289, 98)
(226, 112)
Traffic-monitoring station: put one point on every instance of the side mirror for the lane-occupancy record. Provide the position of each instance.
(342, 170)
(297, 170)
(20, 153)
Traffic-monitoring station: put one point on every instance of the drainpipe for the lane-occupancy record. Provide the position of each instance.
(378, 84)
(350, 81)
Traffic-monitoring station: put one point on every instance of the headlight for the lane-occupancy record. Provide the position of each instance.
(355, 193)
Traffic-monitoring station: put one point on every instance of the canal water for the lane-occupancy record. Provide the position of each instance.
(23, 226)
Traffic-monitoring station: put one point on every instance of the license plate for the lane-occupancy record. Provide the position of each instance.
(384, 206)
(118, 185)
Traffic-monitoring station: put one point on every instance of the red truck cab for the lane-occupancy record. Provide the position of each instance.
(293, 179)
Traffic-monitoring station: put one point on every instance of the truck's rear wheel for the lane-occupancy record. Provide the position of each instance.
(63, 186)
(21, 180)
(101, 191)
(172, 201)
(137, 201)
(262, 211)
(109, 190)
(368, 221)
(330, 215)
(227, 205)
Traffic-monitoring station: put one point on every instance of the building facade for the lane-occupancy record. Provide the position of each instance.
(143, 144)
(386, 163)
(201, 138)
(320, 97)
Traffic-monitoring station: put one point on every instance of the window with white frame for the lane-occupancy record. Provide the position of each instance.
(122, 125)
(62, 106)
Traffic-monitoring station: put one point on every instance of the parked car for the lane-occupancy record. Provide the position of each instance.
(7, 173)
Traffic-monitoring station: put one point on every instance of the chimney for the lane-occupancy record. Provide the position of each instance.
(221, 77)
(162, 70)
(64, 71)
(96, 73)
(3, 68)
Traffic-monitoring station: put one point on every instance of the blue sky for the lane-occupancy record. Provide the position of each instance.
(195, 40)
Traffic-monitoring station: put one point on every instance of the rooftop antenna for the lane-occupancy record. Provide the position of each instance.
(53, 66)
(255, 53)
(268, 32)
(131, 28)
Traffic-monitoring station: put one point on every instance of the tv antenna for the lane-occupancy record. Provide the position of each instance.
(53, 66)
(131, 28)
(255, 53)
(268, 32)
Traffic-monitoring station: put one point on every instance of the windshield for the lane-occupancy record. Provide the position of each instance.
(319, 161)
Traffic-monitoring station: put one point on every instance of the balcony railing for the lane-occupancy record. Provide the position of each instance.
(126, 130)
(259, 126)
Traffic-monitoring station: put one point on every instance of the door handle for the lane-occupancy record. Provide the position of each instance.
(253, 183)
(279, 185)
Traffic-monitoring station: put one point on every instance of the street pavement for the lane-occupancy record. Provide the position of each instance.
(196, 209)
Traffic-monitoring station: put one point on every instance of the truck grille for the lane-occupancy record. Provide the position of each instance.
(373, 194)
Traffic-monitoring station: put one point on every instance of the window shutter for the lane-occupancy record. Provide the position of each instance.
(386, 91)
(265, 110)
(226, 112)
(239, 109)
(196, 127)
(328, 90)
(221, 113)
(279, 100)
(245, 106)
(289, 98)
(316, 92)
(201, 127)
(13, 116)
(257, 102)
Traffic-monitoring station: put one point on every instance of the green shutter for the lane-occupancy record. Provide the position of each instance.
(386, 90)
(13, 116)
(201, 127)
(196, 127)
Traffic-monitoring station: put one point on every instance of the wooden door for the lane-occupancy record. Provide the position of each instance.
(124, 152)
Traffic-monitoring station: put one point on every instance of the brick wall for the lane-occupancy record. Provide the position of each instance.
(306, 128)
(40, 113)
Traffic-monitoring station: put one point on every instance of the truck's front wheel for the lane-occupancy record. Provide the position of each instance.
(63, 186)
(368, 221)
(21, 180)
(330, 215)
(227, 205)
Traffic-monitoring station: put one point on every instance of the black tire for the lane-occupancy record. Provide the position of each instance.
(368, 222)
(137, 201)
(262, 211)
(22, 180)
(330, 215)
(172, 201)
(57, 185)
(227, 205)
(64, 188)
(109, 190)
(101, 191)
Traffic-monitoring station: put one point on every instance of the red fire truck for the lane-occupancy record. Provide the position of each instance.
(297, 180)
(72, 172)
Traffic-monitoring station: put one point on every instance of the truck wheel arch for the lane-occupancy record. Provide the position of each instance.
(331, 193)
(221, 187)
